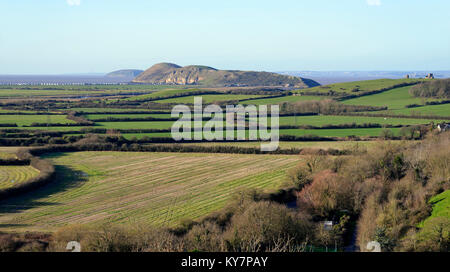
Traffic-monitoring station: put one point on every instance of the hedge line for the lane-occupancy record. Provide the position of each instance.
(173, 148)
(421, 116)
(13, 161)
(46, 174)
(30, 113)
(351, 96)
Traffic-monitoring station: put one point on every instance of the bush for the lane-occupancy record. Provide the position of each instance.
(299, 177)
(327, 195)
(262, 225)
(206, 237)
(387, 134)
(124, 238)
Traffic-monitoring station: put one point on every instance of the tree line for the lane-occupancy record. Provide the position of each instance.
(439, 88)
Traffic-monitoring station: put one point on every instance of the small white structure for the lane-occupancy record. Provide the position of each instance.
(443, 127)
(327, 225)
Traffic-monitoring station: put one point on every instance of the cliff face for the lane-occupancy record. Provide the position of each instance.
(167, 73)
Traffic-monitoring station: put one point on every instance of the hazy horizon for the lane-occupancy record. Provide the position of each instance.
(273, 71)
(322, 77)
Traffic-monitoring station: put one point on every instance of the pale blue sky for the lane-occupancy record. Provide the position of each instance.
(60, 36)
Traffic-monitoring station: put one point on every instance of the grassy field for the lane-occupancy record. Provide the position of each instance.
(363, 86)
(15, 111)
(153, 188)
(209, 98)
(297, 121)
(83, 90)
(162, 94)
(337, 132)
(9, 149)
(130, 136)
(102, 116)
(12, 175)
(437, 110)
(136, 125)
(6, 155)
(14, 93)
(278, 100)
(321, 120)
(94, 87)
(394, 99)
(284, 121)
(50, 128)
(441, 206)
(363, 132)
(8, 152)
(299, 145)
(110, 110)
(27, 120)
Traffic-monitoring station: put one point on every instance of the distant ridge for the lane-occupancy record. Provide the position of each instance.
(125, 73)
(169, 73)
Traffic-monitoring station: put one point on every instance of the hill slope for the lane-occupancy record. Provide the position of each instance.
(125, 73)
(168, 73)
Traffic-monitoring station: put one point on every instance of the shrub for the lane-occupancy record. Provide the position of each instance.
(299, 177)
(124, 238)
(386, 134)
(262, 225)
(435, 235)
(327, 195)
(206, 237)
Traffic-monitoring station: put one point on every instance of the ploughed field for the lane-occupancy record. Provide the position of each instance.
(12, 175)
(159, 189)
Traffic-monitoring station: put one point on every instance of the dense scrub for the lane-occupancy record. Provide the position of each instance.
(326, 106)
(387, 190)
(26, 242)
(439, 88)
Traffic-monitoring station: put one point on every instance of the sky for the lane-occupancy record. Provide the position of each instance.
(99, 36)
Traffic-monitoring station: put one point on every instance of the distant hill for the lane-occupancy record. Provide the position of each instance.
(169, 73)
(125, 73)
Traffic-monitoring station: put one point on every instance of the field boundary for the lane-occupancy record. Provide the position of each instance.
(46, 174)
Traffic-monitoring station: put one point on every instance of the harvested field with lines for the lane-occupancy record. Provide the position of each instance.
(154, 188)
(12, 175)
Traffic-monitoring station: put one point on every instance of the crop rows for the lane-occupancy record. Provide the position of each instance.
(153, 188)
(12, 175)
